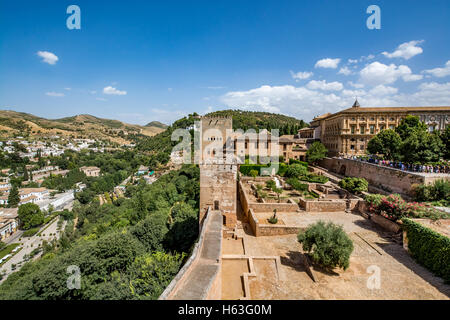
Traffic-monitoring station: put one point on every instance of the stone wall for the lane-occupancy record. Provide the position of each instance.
(206, 256)
(323, 205)
(260, 230)
(269, 207)
(388, 179)
(218, 186)
(291, 206)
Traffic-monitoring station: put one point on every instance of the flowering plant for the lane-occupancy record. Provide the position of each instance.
(393, 207)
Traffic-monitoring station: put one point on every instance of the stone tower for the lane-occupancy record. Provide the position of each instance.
(218, 175)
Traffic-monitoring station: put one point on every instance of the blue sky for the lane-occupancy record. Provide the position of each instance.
(139, 61)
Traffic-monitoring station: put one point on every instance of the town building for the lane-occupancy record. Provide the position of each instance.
(8, 222)
(347, 132)
(32, 195)
(91, 171)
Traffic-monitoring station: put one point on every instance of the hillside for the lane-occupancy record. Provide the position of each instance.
(156, 124)
(262, 120)
(80, 126)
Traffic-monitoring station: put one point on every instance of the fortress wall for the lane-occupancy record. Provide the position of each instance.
(218, 183)
(205, 255)
(388, 179)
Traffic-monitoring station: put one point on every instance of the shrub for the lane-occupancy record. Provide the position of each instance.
(439, 190)
(374, 199)
(273, 220)
(429, 248)
(354, 185)
(393, 207)
(30, 232)
(314, 178)
(270, 184)
(303, 163)
(254, 173)
(327, 245)
(296, 184)
(296, 170)
(245, 169)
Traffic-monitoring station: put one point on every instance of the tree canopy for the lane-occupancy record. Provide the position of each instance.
(316, 152)
(410, 142)
(30, 215)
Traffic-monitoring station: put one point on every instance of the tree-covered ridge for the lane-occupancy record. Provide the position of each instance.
(261, 120)
(160, 146)
(131, 249)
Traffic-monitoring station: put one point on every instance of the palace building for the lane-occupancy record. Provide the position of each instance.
(347, 132)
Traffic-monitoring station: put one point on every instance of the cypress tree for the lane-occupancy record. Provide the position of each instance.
(13, 197)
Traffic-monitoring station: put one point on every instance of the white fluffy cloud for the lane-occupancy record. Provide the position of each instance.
(440, 72)
(297, 101)
(48, 57)
(345, 71)
(406, 50)
(327, 63)
(379, 73)
(355, 85)
(382, 90)
(54, 94)
(305, 103)
(323, 85)
(301, 75)
(114, 91)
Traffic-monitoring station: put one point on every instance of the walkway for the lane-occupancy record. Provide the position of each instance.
(200, 275)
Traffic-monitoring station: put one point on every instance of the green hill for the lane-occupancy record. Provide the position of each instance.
(262, 120)
(156, 124)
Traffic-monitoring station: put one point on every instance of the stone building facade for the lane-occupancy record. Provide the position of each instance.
(218, 174)
(348, 132)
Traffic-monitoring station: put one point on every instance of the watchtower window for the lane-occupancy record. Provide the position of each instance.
(216, 205)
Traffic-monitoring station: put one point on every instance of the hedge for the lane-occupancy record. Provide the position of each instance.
(303, 163)
(30, 232)
(246, 168)
(428, 248)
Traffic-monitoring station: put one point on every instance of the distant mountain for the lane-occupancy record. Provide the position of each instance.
(79, 126)
(156, 124)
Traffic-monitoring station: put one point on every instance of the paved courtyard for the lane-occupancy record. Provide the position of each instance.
(400, 276)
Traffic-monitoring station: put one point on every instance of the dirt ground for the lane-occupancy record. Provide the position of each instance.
(232, 271)
(374, 249)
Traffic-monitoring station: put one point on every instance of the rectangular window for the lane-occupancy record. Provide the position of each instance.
(352, 147)
(392, 126)
(362, 129)
(372, 129)
(382, 127)
(353, 128)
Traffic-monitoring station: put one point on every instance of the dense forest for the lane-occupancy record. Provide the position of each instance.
(130, 249)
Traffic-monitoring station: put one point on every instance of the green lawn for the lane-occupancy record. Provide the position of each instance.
(7, 250)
